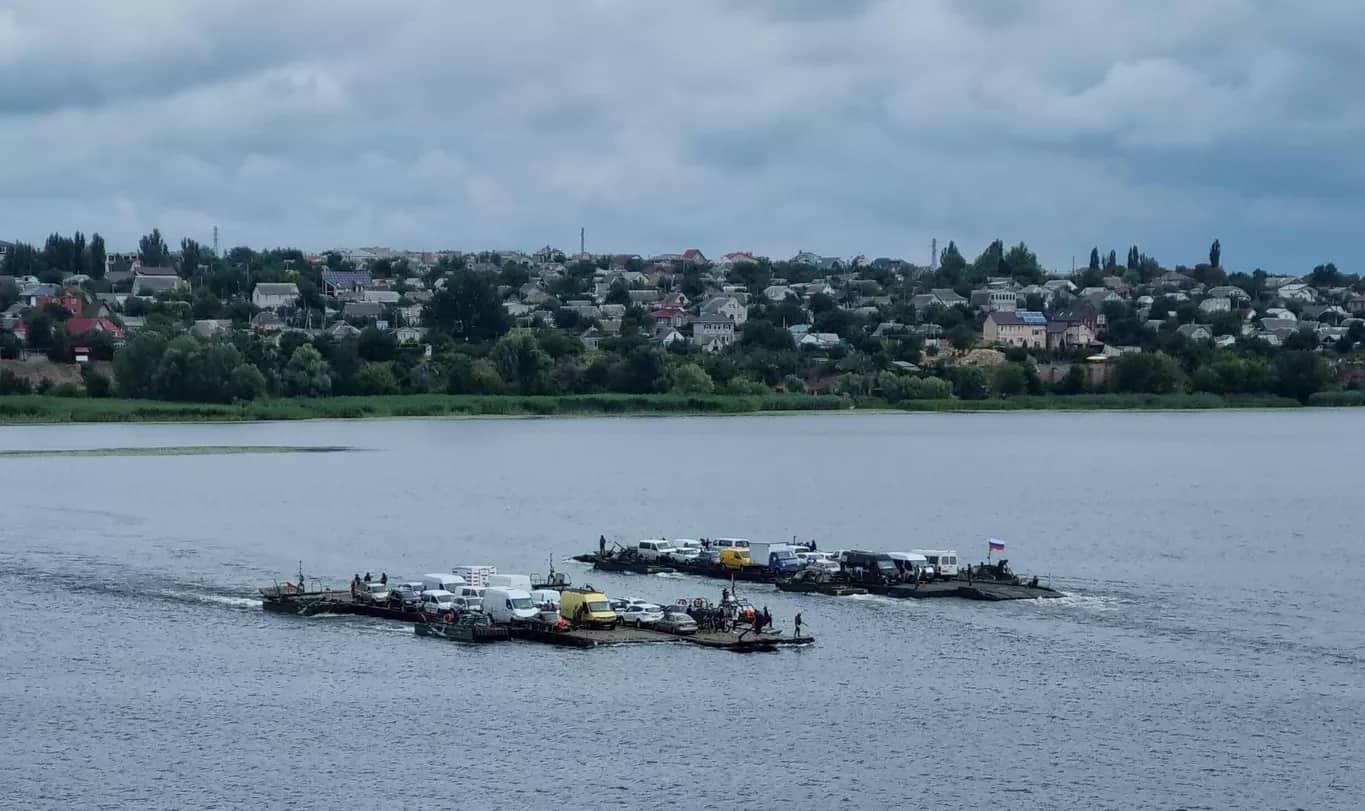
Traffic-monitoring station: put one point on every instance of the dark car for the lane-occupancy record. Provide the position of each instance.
(404, 597)
(869, 566)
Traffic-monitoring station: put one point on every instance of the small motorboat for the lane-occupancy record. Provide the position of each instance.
(468, 626)
(817, 581)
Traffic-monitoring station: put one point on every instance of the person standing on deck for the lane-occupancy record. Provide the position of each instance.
(798, 624)
(601, 544)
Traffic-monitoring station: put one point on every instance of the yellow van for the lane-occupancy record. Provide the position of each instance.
(734, 558)
(587, 608)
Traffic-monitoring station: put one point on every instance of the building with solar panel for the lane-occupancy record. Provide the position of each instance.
(1024, 328)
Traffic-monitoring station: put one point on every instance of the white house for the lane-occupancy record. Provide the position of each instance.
(410, 335)
(1217, 304)
(1296, 291)
(713, 331)
(274, 295)
(727, 306)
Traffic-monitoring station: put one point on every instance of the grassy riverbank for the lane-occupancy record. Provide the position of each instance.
(38, 409)
(46, 409)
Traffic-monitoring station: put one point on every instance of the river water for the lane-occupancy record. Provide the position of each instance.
(1209, 652)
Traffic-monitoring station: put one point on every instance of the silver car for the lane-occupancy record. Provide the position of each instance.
(675, 620)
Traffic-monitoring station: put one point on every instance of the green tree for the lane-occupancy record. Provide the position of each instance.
(192, 255)
(522, 364)
(466, 375)
(690, 378)
(468, 309)
(39, 324)
(970, 383)
(375, 346)
(96, 384)
(1301, 373)
(1009, 379)
(152, 250)
(929, 388)
(766, 334)
(566, 318)
(618, 293)
(9, 292)
(643, 370)
(135, 365)
(10, 346)
(97, 256)
(205, 304)
(991, 262)
(1094, 259)
(60, 350)
(10, 383)
(307, 374)
(247, 382)
(1148, 373)
(1216, 254)
(951, 265)
(1073, 382)
(376, 378)
(962, 337)
(1023, 265)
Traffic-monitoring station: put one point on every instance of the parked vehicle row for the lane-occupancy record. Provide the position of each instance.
(781, 558)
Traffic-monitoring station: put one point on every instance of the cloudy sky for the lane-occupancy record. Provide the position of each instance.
(843, 127)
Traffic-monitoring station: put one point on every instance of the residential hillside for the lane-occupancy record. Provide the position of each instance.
(193, 326)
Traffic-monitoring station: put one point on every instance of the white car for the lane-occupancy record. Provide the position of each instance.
(686, 549)
(822, 561)
(438, 601)
(373, 592)
(641, 615)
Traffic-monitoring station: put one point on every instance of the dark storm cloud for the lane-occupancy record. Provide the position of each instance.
(841, 127)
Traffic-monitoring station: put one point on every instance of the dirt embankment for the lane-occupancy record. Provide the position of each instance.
(36, 367)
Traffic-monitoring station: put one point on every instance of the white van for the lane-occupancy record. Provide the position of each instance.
(441, 582)
(944, 561)
(729, 543)
(654, 550)
(548, 597)
(521, 582)
(508, 605)
(913, 564)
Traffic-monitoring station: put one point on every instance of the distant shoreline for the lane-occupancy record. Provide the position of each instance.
(45, 410)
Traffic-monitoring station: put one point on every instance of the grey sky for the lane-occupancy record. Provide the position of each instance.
(839, 127)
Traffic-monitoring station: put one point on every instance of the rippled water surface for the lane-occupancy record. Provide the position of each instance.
(1211, 651)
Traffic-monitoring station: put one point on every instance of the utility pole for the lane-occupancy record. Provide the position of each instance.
(582, 242)
(933, 254)
(215, 240)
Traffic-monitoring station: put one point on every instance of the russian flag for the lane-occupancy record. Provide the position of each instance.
(996, 546)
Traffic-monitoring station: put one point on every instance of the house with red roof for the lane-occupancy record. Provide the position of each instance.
(80, 326)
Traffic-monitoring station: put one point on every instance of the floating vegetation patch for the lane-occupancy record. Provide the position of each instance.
(173, 450)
